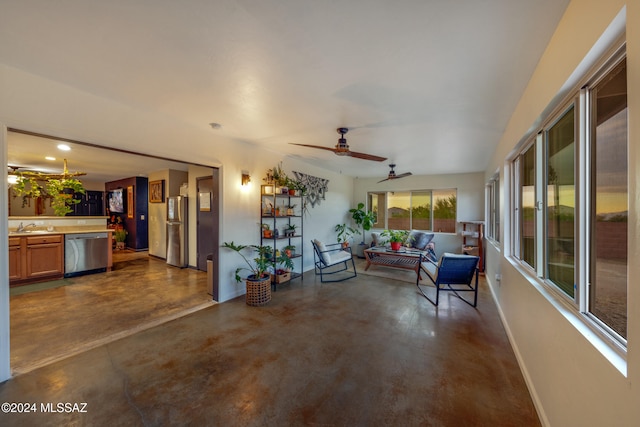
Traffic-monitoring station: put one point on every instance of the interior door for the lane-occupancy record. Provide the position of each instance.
(207, 217)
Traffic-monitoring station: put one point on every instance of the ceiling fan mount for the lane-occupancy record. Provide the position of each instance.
(393, 175)
(342, 148)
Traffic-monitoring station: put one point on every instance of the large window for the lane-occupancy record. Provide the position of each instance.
(493, 208)
(570, 200)
(560, 201)
(609, 195)
(420, 210)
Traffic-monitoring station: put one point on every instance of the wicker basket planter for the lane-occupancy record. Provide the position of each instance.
(258, 291)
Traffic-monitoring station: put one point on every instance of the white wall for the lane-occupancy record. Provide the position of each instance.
(572, 382)
(241, 224)
(39, 105)
(470, 195)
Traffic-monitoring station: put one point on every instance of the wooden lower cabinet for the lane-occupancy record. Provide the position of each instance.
(36, 258)
(16, 271)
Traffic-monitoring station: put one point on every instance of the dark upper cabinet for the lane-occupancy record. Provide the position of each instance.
(91, 204)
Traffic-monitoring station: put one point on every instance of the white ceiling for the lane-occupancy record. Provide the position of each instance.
(430, 84)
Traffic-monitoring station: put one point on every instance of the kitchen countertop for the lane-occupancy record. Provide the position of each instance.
(59, 230)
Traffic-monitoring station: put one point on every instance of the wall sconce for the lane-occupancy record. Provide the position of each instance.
(246, 178)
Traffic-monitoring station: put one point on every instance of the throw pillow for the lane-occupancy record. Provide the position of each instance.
(419, 239)
(322, 249)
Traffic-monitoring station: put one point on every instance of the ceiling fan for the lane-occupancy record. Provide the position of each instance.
(342, 148)
(392, 174)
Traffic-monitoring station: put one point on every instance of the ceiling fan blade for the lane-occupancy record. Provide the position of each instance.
(366, 156)
(386, 179)
(315, 146)
(402, 175)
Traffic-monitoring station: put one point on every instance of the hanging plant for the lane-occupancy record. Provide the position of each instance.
(59, 187)
(61, 192)
(27, 187)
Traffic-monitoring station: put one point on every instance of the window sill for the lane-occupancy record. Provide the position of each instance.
(610, 349)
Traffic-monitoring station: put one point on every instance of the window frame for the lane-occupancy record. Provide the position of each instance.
(579, 98)
(422, 192)
(492, 204)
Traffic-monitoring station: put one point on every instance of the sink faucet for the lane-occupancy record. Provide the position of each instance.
(21, 227)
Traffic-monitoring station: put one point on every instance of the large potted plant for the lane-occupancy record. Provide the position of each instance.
(258, 281)
(364, 219)
(344, 234)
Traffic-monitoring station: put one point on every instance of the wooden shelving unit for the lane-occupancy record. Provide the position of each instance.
(473, 240)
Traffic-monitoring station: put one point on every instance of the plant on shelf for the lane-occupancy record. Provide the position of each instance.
(290, 251)
(284, 260)
(290, 209)
(266, 231)
(290, 230)
(396, 237)
(344, 234)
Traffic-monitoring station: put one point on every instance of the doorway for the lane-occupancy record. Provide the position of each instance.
(207, 225)
(20, 144)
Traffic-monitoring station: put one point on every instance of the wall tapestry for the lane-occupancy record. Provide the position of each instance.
(316, 187)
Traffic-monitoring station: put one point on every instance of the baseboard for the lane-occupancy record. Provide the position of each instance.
(525, 373)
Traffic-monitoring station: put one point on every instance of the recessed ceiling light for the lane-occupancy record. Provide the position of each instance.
(215, 125)
(50, 158)
(64, 147)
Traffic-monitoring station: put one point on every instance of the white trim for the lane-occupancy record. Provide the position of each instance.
(5, 350)
(537, 402)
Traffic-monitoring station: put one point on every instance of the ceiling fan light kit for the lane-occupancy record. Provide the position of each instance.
(393, 175)
(342, 148)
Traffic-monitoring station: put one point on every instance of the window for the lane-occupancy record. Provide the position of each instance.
(493, 208)
(421, 210)
(610, 196)
(570, 200)
(560, 202)
(527, 218)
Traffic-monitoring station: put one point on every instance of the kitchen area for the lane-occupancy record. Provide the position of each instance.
(65, 272)
(50, 248)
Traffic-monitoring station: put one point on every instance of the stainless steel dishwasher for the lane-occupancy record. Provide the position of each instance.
(85, 253)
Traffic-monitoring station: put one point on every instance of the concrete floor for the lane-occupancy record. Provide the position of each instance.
(367, 351)
(73, 315)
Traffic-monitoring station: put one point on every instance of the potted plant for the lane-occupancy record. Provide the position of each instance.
(344, 234)
(258, 282)
(267, 233)
(290, 251)
(290, 209)
(283, 259)
(121, 236)
(364, 219)
(290, 230)
(396, 237)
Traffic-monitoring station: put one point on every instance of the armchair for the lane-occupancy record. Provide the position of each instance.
(453, 273)
(333, 259)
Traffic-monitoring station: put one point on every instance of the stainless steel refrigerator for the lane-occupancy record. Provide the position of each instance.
(177, 231)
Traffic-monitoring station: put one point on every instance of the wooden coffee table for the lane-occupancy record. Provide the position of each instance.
(405, 258)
